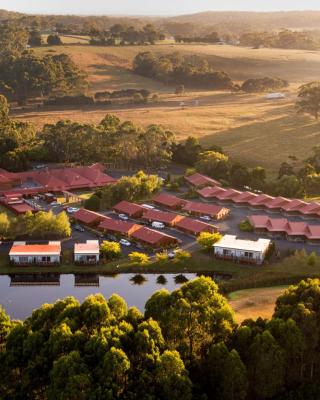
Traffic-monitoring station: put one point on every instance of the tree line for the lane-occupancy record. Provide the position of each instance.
(185, 345)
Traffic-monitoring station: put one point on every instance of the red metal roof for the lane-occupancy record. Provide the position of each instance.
(168, 200)
(277, 224)
(21, 249)
(210, 192)
(88, 217)
(228, 194)
(311, 208)
(202, 208)
(165, 217)
(199, 180)
(261, 199)
(128, 208)
(313, 232)
(122, 227)
(195, 226)
(294, 205)
(151, 236)
(258, 221)
(244, 197)
(296, 228)
(277, 202)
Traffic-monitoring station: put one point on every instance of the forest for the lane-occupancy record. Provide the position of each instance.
(186, 345)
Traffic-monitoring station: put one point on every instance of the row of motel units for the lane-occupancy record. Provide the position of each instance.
(249, 251)
(281, 227)
(22, 253)
(29, 183)
(123, 228)
(261, 201)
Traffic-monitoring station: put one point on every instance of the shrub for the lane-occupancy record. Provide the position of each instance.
(162, 257)
(79, 99)
(182, 256)
(206, 240)
(110, 250)
(245, 226)
(312, 259)
(139, 258)
(92, 203)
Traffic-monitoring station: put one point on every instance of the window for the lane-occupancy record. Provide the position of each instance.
(248, 254)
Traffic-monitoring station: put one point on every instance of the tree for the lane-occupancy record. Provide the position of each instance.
(213, 164)
(92, 203)
(4, 225)
(312, 259)
(110, 250)
(54, 40)
(206, 240)
(182, 256)
(35, 38)
(239, 175)
(192, 317)
(139, 258)
(225, 373)
(309, 99)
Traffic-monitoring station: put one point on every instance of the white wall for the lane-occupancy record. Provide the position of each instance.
(30, 259)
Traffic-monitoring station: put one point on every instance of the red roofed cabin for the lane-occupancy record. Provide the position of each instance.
(118, 227)
(167, 218)
(131, 209)
(35, 254)
(194, 227)
(212, 210)
(198, 180)
(154, 238)
(169, 201)
(87, 217)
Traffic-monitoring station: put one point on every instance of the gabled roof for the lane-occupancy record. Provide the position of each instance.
(261, 199)
(258, 221)
(195, 226)
(277, 224)
(228, 194)
(88, 217)
(165, 217)
(128, 208)
(294, 205)
(277, 202)
(200, 180)
(168, 200)
(313, 232)
(210, 192)
(311, 208)
(122, 227)
(151, 236)
(202, 208)
(296, 228)
(244, 197)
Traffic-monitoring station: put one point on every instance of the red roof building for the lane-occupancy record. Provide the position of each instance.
(294, 206)
(244, 198)
(194, 227)
(199, 180)
(154, 238)
(311, 209)
(119, 227)
(131, 209)
(166, 218)
(212, 210)
(17, 205)
(168, 200)
(228, 195)
(277, 203)
(260, 201)
(210, 192)
(88, 217)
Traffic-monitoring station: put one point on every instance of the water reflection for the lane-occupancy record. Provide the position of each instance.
(179, 279)
(20, 294)
(161, 280)
(138, 279)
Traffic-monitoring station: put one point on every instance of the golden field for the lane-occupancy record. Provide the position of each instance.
(249, 127)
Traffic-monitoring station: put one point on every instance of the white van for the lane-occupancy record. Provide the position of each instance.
(158, 225)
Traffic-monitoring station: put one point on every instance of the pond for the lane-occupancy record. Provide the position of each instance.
(20, 294)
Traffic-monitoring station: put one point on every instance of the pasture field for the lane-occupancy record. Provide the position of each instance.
(254, 303)
(250, 128)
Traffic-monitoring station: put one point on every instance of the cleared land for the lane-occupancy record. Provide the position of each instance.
(250, 128)
(254, 303)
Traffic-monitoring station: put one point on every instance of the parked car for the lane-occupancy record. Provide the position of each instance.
(171, 255)
(72, 210)
(124, 217)
(112, 238)
(79, 228)
(148, 207)
(125, 242)
(55, 203)
(205, 218)
(158, 225)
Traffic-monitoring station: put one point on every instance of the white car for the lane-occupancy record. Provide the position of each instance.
(158, 225)
(71, 210)
(205, 218)
(125, 242)
(55, 203)
(124, 217)
(147, 206)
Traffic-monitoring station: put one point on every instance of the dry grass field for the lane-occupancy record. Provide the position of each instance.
(254, 303)
(250, 128)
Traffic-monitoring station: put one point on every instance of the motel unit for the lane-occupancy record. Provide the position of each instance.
(168, 201)
(132, 210)
(248, 251)
(117, 227)
(153, 238)
(87, 253)
(167, 218)
(200, 209)
(198, 180)
(22, 253)
(88, 218)
(194, 227)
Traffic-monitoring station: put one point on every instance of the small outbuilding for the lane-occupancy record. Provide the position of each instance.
(249, 251)
(87, 253)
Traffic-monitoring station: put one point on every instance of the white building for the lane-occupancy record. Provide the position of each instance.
(41, 254)
(87, 253)
(251, 251)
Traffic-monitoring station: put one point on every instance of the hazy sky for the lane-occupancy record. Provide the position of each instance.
(152, 7)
